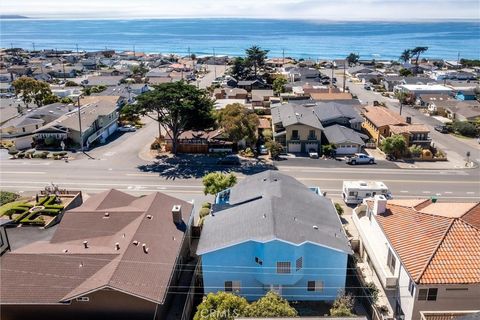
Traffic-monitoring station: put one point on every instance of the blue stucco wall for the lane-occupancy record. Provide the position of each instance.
(237, 263)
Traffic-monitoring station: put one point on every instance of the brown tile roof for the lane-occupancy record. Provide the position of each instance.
(436, 242)
(48, 274)
(381, 116)
(408, 128)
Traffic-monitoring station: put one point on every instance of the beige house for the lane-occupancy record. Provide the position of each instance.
(424, 254)
(296, 128)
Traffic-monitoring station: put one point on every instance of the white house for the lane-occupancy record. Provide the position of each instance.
(425, 254)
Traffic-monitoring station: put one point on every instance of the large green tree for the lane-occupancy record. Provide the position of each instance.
(35, 91)
(239, 69)
(416, 52)
(395, 145)
(271, 305)
(279, 84)
(239, 123)
(406, 55)
(352, 58)
(215, 182)
(178, 107)
(221, 306)
(256, 57)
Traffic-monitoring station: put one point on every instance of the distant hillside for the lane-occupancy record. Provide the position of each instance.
(12, 16)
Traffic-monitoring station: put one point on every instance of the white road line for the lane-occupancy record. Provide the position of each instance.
(122, 189)
(448, 192)
(470, 192)
(404, 191)
(65, 183)
(23, 172)
(426, 192)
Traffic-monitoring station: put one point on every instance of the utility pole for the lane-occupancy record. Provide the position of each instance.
(458, 59)
(344, 74)
(64, 75)
(77, 47)
(214, 64)
(331, 79)
(33, 45)
(80, 123)
(283, 57)
(134, 51)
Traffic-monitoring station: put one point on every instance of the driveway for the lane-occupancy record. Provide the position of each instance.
(331, 163)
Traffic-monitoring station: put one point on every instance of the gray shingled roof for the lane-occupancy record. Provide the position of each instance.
(270, 206)
(339, 134)
(326, 111)
(289, 114)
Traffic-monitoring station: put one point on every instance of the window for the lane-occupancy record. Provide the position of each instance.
(429, 294)
(258, 261)
(295, 135)
(228, 286)
(299, 263)
(311, 134)
(411, 287)
(23, 129)
(391, 261)
(283, 267)
(315, 286)
(83, 299)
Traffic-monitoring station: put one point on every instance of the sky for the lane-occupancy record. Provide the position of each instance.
(393, 10)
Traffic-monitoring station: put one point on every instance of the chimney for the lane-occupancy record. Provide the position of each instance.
(409, 120)
(177, 214)
(145, 249)
(379, 204)
(117, 246)
(85, 244)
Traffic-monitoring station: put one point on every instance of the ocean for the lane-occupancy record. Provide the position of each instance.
(299, 39)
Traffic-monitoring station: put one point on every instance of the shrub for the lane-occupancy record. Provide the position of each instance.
(247, 153)
(465, 128)
(207, 205)
(415, 151)
(156, 145)
(49, 212)
(7, 197)
(372, 291)
(342, 306)
(20, 155)
(339, 208)
(12, 151)
(204, 212)
(275, 148)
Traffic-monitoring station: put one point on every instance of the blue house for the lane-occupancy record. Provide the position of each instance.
(272, 233)
(465, 95)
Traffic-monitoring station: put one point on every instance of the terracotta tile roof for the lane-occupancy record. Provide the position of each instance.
(49, 274)
(436, 242)
(381, 116)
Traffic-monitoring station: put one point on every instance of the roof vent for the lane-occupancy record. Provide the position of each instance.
(149, 216)
(81, 264)
(106, 215)
(117, 246)
(315, 227)
(65, 250)
(135, 242)
(85, 244)
(173, 238)
(294, 218)
(264, 216)
(145, 249)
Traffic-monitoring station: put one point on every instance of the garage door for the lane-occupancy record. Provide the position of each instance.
(311, 145)
(347, 149)
(294, 147)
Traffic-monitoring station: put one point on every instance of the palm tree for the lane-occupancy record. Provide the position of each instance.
(416, 52)
(406, 55)
(256, 56)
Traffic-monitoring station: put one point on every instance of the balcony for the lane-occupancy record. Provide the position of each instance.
(312, 138)
(371, 245)
(294, 137)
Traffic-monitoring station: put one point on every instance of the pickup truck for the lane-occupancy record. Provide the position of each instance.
(360, 158)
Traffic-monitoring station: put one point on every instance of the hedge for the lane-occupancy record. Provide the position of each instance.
(207, 205)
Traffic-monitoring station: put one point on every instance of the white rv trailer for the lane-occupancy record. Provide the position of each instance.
(353, 192)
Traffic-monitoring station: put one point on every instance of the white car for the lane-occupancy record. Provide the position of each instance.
(312, 153)
(127, 128)
(360, 158)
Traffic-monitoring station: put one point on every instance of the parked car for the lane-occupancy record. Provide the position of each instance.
(441, 128)
(127, 128)
(312, 153)
(360, 158)
(231, 160)
(263, 150)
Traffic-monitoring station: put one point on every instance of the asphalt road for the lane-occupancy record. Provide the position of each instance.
(117, 165)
